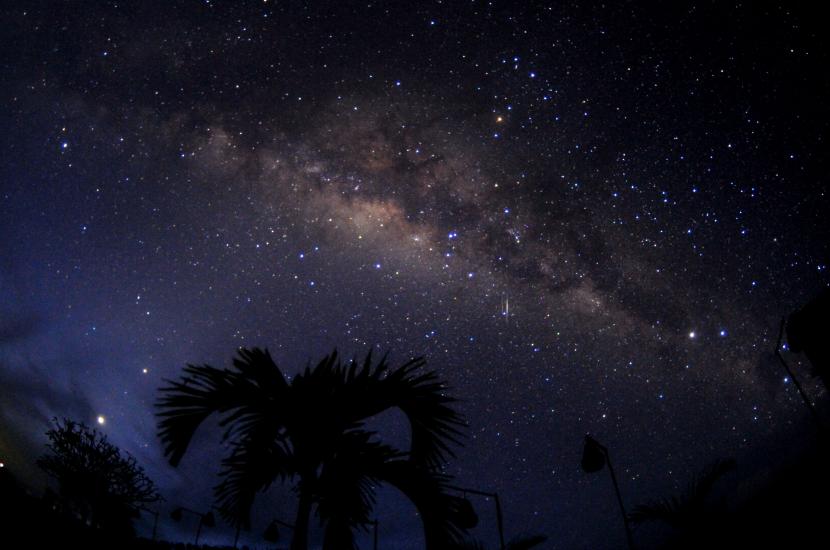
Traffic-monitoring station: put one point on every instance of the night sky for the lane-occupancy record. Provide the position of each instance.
(588, 219)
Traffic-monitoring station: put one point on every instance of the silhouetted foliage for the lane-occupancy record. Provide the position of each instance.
(98, 484)
(690, 510)
(808, 330)
(310, 430)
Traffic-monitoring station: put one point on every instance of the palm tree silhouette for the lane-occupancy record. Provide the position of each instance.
(310, 429)
(688, 513)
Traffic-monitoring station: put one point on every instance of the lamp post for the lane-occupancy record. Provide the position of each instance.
(594, 457)
(495, 497)
(155, 519)
(204, 519)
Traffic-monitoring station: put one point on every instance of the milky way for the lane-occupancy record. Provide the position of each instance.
(587, 220)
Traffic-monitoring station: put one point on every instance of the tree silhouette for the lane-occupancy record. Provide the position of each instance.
(311, 430)
(807, 331)
(104, 488)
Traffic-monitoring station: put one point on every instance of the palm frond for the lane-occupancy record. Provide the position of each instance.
(253, 465)
(421, 397)
(702, 485)
(252, 393)
(689, 508)
(428, 491)
(346, 486)
(668, 510)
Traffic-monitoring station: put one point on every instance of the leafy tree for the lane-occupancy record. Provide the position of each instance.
(97, 483)
(310, 430)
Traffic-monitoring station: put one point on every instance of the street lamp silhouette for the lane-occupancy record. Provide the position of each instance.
(155, 515)
(594, 458)
(204, 519)
(467, 517)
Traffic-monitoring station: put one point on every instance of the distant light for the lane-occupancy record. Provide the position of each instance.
(722, 333)
(101, 420)
(692, 334)
(145, 370)
(2, 464)
(64, 145)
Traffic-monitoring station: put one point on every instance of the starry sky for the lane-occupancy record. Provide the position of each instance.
(588, 219)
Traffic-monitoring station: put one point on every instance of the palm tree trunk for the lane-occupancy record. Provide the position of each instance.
(300, 540)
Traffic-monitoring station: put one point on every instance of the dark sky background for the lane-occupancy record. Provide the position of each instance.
(586, 218)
